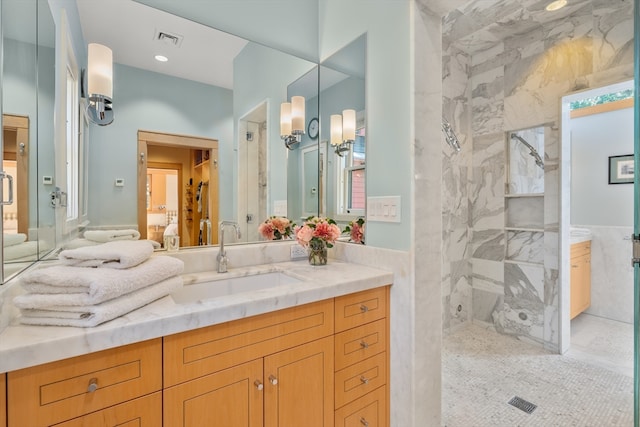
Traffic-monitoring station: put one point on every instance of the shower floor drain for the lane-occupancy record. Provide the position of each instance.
(522, 404)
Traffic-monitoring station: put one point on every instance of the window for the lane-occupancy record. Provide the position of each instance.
(351, 170)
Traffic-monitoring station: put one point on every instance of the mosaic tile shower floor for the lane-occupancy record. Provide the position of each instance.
(482, 370)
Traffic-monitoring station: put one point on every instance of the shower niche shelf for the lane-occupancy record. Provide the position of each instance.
(524, 213)
(508, 195)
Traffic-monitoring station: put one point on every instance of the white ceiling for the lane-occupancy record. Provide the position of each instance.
(205, 54)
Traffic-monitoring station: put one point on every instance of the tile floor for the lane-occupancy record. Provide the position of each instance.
(591, 385)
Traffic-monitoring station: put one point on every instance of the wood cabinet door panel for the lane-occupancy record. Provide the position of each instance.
(192, 354)
(370, 411)
(3, 400)
(142, 412)
(229, 398)
(62, 390)
(303, 392)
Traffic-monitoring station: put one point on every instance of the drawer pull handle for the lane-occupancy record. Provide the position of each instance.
(364, 344)
(273, 380)
(258, 385)
(364, 422)
(364, 380)
(93, 385)
(364, 308)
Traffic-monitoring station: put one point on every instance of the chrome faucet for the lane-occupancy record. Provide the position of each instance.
(222, 254)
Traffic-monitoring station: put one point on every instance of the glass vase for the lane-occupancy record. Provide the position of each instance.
(317, 252)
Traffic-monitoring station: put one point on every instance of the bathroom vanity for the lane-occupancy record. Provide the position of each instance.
(313, 352)
(580, 277)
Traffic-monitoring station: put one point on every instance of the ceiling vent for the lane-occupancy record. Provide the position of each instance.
(167, 38)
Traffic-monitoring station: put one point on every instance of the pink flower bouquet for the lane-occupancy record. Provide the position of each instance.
(356, 231)
(276, 228)
(317, 230)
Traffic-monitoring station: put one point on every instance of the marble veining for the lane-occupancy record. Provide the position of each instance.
(527, 246)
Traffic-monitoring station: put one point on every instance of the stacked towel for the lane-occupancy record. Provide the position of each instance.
(85, 291)
(104, 236)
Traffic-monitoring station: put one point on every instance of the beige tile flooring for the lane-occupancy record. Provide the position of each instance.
(591, 385)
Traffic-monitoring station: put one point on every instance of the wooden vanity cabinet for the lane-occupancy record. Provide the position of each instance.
(48, 394)
(145, 411)
(362, 363)
(3, 400)
(580, 277)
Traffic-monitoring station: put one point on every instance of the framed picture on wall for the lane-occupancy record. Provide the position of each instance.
(621, 169)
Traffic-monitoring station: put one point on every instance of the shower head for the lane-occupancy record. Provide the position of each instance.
(450, 136)
(532, 151)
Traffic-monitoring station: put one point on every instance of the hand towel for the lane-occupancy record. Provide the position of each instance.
(93, 315)
(23, 251)
(119, 254)
(62, 285)
(11, 239)
(104, 236)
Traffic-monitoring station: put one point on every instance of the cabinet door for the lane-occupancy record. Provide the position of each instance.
(229, 398)
(299, 386)
(580, 284)
(142, 412)
(3, 400)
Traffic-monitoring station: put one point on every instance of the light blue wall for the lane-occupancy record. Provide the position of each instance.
(389, 101)
(150, 101)
(593, 139)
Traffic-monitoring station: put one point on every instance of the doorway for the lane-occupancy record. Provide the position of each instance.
(16, 164)
(178, 187)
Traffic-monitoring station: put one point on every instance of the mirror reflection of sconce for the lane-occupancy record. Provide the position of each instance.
(343, 131)
(100, 83)
(292, 121)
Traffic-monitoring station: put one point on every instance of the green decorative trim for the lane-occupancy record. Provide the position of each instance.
(602, 99)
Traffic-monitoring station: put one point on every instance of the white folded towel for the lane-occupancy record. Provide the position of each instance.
(22, 251)
(118, 254)
(105, 236)
(11, 239)
(93, 315)
(62, 285)
(81, 243)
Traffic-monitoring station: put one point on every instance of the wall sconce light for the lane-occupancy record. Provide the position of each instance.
(343, 130)
(292, 121)
(100, 82)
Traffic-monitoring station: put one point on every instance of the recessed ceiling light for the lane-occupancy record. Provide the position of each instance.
(161, 58)
(555, 5)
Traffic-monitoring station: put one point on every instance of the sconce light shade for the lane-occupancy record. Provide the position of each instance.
(297, 114)
(285, 119)
(336, 129)
(349, 125)
(100, 84)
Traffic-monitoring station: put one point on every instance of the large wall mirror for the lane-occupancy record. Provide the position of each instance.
(195, 139)
(28, 93)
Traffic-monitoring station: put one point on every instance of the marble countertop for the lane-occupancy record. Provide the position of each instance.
(22, 346)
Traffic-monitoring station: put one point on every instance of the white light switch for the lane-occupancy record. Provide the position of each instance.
(384, 209)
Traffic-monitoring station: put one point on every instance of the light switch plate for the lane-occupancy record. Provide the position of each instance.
(384, 209)
(298, 252)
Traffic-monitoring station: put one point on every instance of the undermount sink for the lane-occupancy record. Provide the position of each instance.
(230, 286)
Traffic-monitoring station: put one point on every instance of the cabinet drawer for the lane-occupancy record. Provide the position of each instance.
(368, 411)
(357, 344)
(579, 249)
(360, 308)
(3, 400)
(192, 354)
(357, 380)
(142, 412)
(58, 391)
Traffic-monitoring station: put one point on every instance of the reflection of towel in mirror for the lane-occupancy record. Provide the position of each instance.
(81, 243)
(11, 239)
(171, 230)
(61, 285)
(27, 250)
(119, 254)
(92, 315)
(111, 235)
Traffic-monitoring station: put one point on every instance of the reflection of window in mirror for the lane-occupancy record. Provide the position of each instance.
(351, 174)
(72, 140)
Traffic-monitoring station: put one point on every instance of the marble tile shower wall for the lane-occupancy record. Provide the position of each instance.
(517, 82)
(456, 167)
